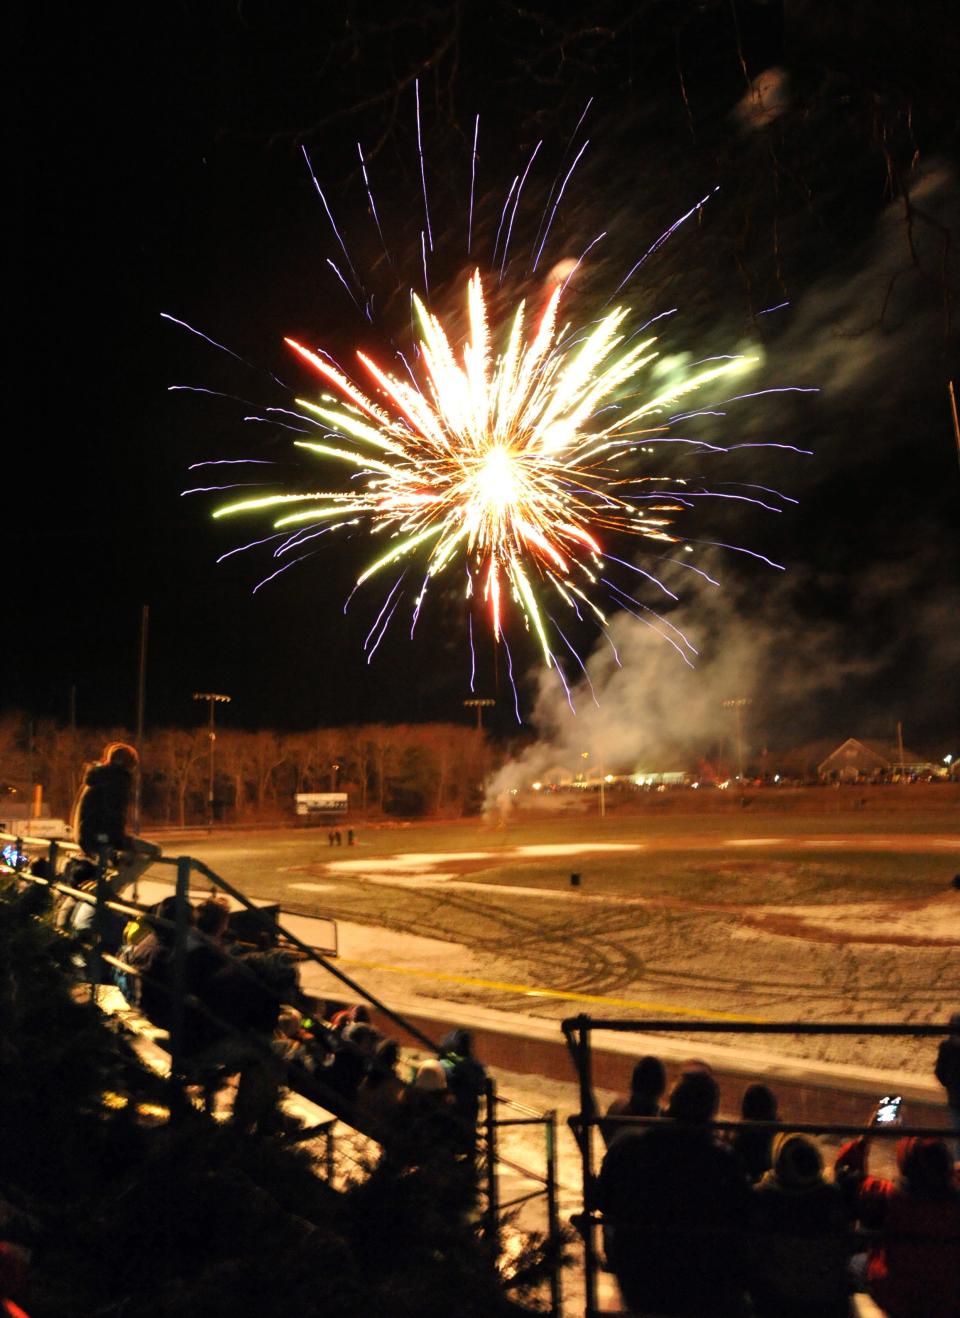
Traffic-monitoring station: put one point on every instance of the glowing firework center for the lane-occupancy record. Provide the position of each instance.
(500, 462)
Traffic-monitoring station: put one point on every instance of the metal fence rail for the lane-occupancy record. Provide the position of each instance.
(104, 901)
(578, 1031)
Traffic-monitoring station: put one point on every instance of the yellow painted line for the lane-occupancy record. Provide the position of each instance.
(667, 1009)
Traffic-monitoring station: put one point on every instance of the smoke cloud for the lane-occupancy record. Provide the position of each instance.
(822, 649)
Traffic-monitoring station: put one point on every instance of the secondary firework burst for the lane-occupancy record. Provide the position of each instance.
(514, 461)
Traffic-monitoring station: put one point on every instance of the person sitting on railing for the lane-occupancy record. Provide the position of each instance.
(100, 816)
(674, 1202)
(800, 1238)
(912, 1268)
(754, 1147)
(647, 1085)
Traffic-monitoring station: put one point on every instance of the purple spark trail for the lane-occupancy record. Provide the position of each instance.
(423, 176)
(546, 232)
(661, 240)
(473, 179)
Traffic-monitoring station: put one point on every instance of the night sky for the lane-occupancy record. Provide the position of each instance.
(160, 170)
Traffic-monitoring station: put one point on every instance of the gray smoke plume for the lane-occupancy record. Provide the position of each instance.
(872, 337)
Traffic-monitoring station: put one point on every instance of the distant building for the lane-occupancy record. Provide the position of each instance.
(854, 760)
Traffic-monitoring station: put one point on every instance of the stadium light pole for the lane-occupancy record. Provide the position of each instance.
(212, 699)
(479, 706)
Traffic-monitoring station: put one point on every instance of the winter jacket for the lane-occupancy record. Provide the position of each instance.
(102, 808)
(913, 1268)
(947, 1069)
(674, 1203)
(637, 1105)
(800, 1242)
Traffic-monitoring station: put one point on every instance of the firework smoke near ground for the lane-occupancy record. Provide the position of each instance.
(175, 181)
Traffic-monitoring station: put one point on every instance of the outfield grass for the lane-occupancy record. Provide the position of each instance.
(531, 830)
(782, 877)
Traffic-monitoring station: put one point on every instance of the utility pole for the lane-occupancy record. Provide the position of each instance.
(212, 699)
(738, 706)
(585, 755)
(141, 702)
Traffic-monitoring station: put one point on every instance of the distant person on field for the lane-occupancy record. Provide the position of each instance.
(100, 816)
(947, 1071)
(647, 1085)
(754, 1147)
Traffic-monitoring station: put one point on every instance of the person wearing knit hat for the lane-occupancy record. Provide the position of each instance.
(428, 1125)
(912, 1264)
(801, 1236)
(674, 1204)
(430, 1076)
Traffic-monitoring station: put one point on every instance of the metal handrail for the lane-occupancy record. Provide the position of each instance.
(55, 847)
(577, 1031)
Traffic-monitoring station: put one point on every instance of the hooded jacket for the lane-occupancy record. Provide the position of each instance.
(102, 808)
(801, 1237)
(913, 1269)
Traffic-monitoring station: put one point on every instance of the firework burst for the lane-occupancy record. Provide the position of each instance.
(514, 461)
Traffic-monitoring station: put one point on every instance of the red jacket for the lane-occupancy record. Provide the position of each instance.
(913, 1269)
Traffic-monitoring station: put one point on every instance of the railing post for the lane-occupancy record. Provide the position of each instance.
(94, 961)
(493, 1197)
(178, 985)
(328, 1157)
(553, 1219)
(53, 853)
(587, 1114)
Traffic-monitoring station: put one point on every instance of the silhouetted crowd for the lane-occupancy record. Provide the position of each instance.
(244, 1014)
(699, 1225)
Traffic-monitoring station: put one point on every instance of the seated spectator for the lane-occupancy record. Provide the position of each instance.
(246, 994)
(647, 1085)
(428, 1127)
(912, 1268)
(382, 1089)
(675, 1203)
(801, 1237)
(753, 1147)
(151, 956)
(362, 1035)
(359, 1013)
(947, 1071)
(466, 1081)
(205, 955)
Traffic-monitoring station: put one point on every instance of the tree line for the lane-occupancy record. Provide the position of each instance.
(430, 769)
